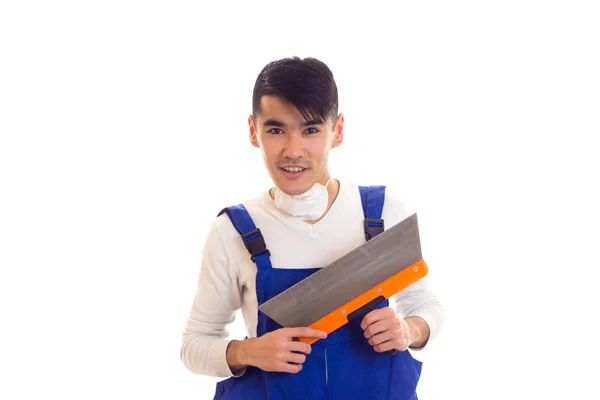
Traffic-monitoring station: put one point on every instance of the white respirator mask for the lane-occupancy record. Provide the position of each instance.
(309, 205)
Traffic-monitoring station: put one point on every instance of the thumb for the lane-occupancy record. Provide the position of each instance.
(305, 332)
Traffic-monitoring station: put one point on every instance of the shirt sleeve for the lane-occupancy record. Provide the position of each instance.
(217, 298)
(418, 299)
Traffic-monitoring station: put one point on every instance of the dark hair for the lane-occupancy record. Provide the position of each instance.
(307, 83)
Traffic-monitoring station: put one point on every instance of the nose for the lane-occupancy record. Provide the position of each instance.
(293, 146)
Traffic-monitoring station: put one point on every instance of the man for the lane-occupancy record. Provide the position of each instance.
(308, 219)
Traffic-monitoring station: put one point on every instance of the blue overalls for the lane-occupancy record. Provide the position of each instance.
(344, 365)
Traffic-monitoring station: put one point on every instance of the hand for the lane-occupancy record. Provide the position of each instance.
(386, 330)
(278, 351)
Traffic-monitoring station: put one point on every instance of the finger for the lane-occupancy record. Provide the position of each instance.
(295, 358)
(300, 347)
(375, 315)
(377, 327)
(381, 338)
(305, 333)
(385, 346)
(287, 367)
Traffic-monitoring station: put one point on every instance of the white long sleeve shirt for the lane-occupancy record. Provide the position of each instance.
(227, 274)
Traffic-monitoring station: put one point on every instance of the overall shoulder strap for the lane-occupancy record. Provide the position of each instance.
(372, 198)
(251, 235)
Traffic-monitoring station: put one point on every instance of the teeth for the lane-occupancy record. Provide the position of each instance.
(293, 169)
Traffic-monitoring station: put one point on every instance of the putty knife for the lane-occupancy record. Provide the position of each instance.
(354, 284)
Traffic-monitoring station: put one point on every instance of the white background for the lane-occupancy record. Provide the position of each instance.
(123, 133)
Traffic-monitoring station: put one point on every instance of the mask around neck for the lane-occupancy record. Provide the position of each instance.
(309, 205)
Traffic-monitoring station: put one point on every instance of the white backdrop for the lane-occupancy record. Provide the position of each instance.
(123, 133)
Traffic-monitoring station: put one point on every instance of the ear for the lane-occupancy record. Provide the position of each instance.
(252, 127)
(338, 131)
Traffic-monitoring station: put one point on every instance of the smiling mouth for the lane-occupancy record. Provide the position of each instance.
(293, 169)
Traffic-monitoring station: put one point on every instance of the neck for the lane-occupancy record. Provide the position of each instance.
(332, 191)
(332, 188)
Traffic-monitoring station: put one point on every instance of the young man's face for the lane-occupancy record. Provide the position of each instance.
(295, 151)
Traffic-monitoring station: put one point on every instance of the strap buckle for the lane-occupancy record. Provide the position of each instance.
(255, 243)
(373, 227)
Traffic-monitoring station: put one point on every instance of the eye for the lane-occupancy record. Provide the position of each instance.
(276, 131)
(312, 130)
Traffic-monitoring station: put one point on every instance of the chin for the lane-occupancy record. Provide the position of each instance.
(293, 186)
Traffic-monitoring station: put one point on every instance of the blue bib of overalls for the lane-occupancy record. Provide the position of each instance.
(343, 366)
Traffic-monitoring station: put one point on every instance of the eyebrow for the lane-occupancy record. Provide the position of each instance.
(274, 122)
(313, 122)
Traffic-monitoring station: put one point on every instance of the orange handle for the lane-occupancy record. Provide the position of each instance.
(386, 289)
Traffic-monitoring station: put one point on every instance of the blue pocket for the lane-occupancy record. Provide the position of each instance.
(248, 386)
